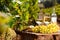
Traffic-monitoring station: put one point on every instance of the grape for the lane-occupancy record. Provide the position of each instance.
(50, 28)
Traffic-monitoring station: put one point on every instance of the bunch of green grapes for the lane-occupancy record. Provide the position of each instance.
(35, 29)
(52, 28)
(43, 29)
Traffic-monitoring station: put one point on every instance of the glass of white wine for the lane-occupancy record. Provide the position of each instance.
(47, 19)
(39, 21)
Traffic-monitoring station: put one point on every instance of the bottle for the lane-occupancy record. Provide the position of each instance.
(54, 17)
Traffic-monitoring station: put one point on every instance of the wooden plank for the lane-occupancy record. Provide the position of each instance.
(38, 36)
(41, 33)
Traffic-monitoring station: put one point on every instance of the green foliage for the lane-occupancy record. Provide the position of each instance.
(50, 10)
(57, 7)
(4, 4)
(27, 9)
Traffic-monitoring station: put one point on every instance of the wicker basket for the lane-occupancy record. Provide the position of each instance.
(3, 38)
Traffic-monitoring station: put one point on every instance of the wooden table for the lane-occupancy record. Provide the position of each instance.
(38, 36)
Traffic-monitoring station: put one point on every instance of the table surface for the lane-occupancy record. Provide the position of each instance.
(41, 34)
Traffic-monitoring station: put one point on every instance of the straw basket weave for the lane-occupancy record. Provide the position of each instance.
(7, 38)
